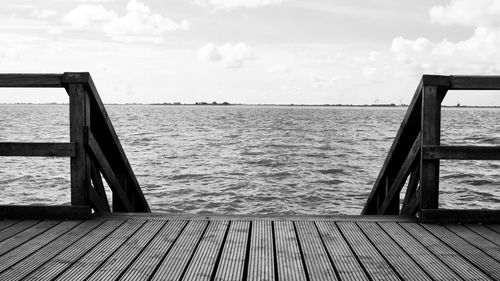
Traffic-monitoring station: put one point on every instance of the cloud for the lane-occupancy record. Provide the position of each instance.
(95, 1)
(465, 12)
(478, 54)
(230, 55)
(44, 14)
(85, 15)
(318, 81)
(136, 25)
(234, 4)
(278, 68)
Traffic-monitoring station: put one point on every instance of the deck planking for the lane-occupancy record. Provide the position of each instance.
(129, 247)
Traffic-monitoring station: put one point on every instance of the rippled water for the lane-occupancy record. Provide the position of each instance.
(250, 159)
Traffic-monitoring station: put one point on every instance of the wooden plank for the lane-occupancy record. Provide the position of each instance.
(44, 212)
(288, 257)
(436, 80)
(6, 223)
(25, 80)
(261, 259)
(314, 253)
(99, 187)
(407, 132)
(425, 259)
(16, 228)
(461, 152)
(102, 126)
(485, 245)
(58, 264)
(374, 264)
(447, 255)
(84, 266)
(460, 216)
(14, 256)
(400, 261)
(44, 149)
(232, 261)
(80, 179)
(21, 237)
(431, 126)
(485, 232)
(204, 260)
(108, 172)
(48, 252)
(475, 256)
(97, 203)
(121, 259)
(343, 258)
(400, 178)
(146, 263)
(458, 82)
(176, 261)
(410, 204)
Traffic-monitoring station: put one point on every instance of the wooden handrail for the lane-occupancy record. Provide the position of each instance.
(94, 150)
(416, 151)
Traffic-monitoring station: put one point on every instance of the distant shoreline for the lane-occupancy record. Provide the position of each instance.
(267, 104)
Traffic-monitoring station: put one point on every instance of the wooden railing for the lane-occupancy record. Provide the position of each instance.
(416, 151)
(94, 149)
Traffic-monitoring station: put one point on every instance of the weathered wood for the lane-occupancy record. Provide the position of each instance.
(16, 228)
(408, 131)
(106, 136)
(447, 255)
(54, 267)
(475, 256)
(80, 180)
(477, 240)
(436, 80)
(87, 264)
(146, 263)
(314, 253)
(175, 262)
(400, 178)
(6, 223)
(97, 202)
(288, 257)
(45, 212)
(35, 80)
(49, 251)
(261, 260)
(37, 149)
(434, 267)
(458, 82)
(410, 204)
(429, 169)
(486, 232)
(105, 167)
(120, 260)
(21, 237)
(232, 261)
(459, 216)
(400, 261)
(204, 260)
(23, 250)
(343, 258)
(99, 187)
(371, 260)
(431, 152)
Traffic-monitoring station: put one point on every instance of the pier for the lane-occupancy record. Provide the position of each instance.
(94, 238)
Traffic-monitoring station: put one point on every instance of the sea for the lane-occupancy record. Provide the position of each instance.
(265, 160)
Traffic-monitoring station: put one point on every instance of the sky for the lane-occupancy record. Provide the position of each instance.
(251, 51)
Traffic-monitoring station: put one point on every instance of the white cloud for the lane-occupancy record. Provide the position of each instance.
(95, 1)
(44, 14)
(318, 81)
(466, 12)
(233, 4)
(231, 55)
(85, 15)
(279, 68)
(137, 24)
(478, 54)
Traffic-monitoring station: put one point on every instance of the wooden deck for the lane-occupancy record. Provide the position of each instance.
(155, 247)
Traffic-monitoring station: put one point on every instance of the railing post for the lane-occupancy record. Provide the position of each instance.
(79, 115)
(431, 126)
